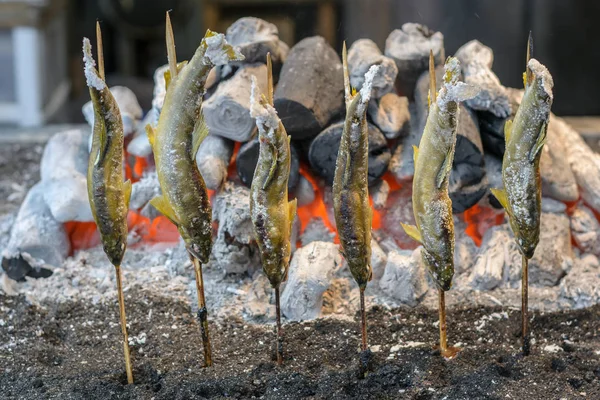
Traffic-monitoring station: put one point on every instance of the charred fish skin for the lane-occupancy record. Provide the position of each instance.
(353, 213)
(525, 137)
(271, 213)
(175, 142)
(108, 193)
(432, 206)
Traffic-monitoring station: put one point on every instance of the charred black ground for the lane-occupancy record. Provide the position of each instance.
(73, 350)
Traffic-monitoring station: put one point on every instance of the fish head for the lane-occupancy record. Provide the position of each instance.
(441, 268)
(527, 236)
(114, 247)
(198, 244)
(361, 269)
(275, 267)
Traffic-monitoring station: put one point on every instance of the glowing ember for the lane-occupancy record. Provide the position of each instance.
(479, 219)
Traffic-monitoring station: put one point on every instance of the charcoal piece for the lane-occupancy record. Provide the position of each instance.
(409, 47)
(254, 38)
(380, 192)
(391, 115)
(304, 192)
(324, 149)
(247, 158)
(131, 111)
(37, 240)
(227, 111)
(311, 88)
(492, 133)
(493, 168)
(468, 183)
(213, 159)
(361, 56)
(558, 180)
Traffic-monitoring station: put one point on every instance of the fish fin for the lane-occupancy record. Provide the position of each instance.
(412, 231)
(163, 206)
(432, 83)
(167, 73)
(415, 154)
(445, 169)
(292, 208)
(507, 129)
(539, 144)
(348, 93)
(127, 191)
(151, 133)
(273, 167)
(500, 194)
(199, 134)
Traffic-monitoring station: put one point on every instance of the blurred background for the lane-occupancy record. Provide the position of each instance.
(41, 79)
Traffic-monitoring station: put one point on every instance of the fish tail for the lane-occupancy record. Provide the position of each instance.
(432, 83)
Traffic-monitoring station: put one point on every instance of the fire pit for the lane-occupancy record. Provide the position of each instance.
(57, 281)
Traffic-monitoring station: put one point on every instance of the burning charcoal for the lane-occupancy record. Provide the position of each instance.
(361, 56)
(36, 239)
(304, 192)
(160, 90)
(476, 61)
(144, 190)
(554, 255)
(63, 171)
(213, 160)
(498, 253)
(400, 209)
(378, 260)
(404, 277)
(584, 162)
(324, 149)
(311, 272)
(311, 88)
(131, 112)
(585, 229)
(492, 127)
(468, 181)
(558, 181)
(409, 47)
(464, 254)
(316, 231)
(390, 114)
(234, 249)
(493, 168)
(254, 38)
(581, 287)
(380, 192)
(553, 206)
(247, 157)
(227, 111)
(140, 145)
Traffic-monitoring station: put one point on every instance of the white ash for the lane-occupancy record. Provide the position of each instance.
(553, 206)
(476, 60)
(91, 75)
(363, 54)
(585, 229)
(304, 191)
(404, 277)
(144, 190)
(558, 180)
(379, 193)
(581, 287)
(234, 248)
(391, 115)
(464, 254)
(553, 257)
(258, 304)
(311, 272)
(140, 146)
(402, 163)
(213, 159)
(316, 231)
(131, 111)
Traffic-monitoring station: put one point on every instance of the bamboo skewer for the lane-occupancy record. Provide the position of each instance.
(171, 54)
(128, 368)
(100, 50)
(363, 321)
(202, 312)
(279, 341)
(526, 345)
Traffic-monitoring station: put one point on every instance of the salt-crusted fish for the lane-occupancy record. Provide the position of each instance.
(108, 193)
(271, 212)
(175, 142)
(433, 162)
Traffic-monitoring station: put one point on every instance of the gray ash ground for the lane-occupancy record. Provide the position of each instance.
(19, 171)
(73, 351)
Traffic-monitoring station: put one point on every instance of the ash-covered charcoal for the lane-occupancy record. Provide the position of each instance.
(391, 115)
(379, 193)
(234, 249)
(409, 47)
(498, 254)
(144, 190)
(400, 210)
(476, 62)
(316, 231)
(304, 191)
(213, 159)
(553, 206)
(63, 170)
(258, 300)
(254, 38)
(493, 168)
(363, 54)
(247, 157)
(585, 229)
(131, 111)
(404, 277)
(558, 181)
(37, 239)
(581, 287)
(492, 127)
(553, 257)
(312, 270)
(468, 182)
(311, 88)
(227, 111)
(140, 146)
(324, 149)
(464, 255)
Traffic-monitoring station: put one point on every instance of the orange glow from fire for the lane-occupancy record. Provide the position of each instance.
(479, 219)
(317, 208)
